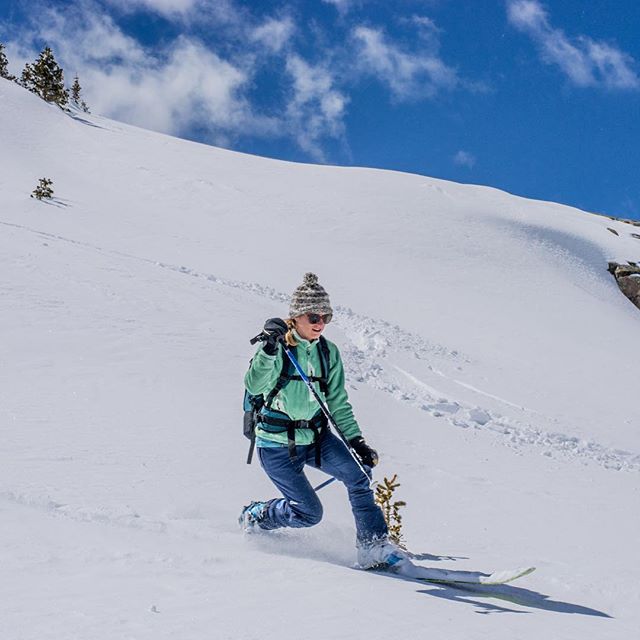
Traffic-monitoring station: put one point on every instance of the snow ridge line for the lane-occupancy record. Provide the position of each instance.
(367, 350)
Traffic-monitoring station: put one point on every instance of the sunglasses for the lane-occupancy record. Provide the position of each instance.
(314, 318)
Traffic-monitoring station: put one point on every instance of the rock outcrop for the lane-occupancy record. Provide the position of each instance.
(628, 278)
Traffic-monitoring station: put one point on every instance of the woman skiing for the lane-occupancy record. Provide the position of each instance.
(292, 430)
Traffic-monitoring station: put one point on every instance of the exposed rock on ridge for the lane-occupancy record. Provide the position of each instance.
(628, 278)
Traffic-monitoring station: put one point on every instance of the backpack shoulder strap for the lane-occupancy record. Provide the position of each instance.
(282, 379)
(325, 364)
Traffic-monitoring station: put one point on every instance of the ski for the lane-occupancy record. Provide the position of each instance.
(408, 569)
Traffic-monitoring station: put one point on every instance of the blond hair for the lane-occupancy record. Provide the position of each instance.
(289, 338)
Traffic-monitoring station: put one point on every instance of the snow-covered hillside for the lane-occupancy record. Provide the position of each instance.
(490, 356)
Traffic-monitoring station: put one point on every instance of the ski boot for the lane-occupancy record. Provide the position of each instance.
(380, 552)
(251, 516)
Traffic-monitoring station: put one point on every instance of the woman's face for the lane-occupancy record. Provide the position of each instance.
(307, 329)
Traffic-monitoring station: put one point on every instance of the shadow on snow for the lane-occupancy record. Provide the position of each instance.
(336, 549)
(468, 594)
(78, 118)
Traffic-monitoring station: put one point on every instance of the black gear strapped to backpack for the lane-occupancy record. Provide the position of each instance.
(257, 408)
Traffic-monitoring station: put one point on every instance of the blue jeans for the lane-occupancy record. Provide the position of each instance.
(301, 506)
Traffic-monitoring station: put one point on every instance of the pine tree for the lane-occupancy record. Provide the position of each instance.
(4, 64)
(75, 90)
(46, 78)
(75, 95)
(26, 78)
(43, 190)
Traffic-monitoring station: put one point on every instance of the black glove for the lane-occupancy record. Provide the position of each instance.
(367, 455)
(274, 330)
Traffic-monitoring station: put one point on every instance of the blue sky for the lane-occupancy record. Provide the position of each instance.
(538, 98)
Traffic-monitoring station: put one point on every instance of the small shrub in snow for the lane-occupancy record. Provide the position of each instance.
(390, 509)
(43, 190)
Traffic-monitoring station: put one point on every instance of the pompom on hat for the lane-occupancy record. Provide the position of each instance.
(309, 297)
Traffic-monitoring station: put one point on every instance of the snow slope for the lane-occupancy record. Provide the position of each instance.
(491, 358)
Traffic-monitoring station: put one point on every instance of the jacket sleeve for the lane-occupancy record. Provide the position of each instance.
(263, 373)
(338, 399)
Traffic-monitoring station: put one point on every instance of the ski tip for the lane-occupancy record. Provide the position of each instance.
(502, 577)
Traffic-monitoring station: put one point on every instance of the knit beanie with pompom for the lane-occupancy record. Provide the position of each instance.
(309, 297)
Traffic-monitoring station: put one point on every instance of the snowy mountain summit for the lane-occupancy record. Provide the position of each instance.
(490, 358)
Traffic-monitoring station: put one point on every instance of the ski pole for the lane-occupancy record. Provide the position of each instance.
(324, 484)
(325, 410)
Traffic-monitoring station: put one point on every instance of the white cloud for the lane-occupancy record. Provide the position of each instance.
(464, 159)
(428, 30)
(342, 6)
(89, 37)
(184, 86)
(408, 75)
(586, 62)
(316, 108)
(193, 87)
(273, 34)
(167, 8)
(615, 66)
(222, 14)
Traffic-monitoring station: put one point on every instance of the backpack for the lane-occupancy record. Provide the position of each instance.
(258, 409)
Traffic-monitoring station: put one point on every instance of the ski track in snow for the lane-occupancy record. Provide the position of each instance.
(197, 527)
(191, 526)
(366, 359)
(123, 518)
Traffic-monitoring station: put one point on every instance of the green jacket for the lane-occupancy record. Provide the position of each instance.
(295, 399)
